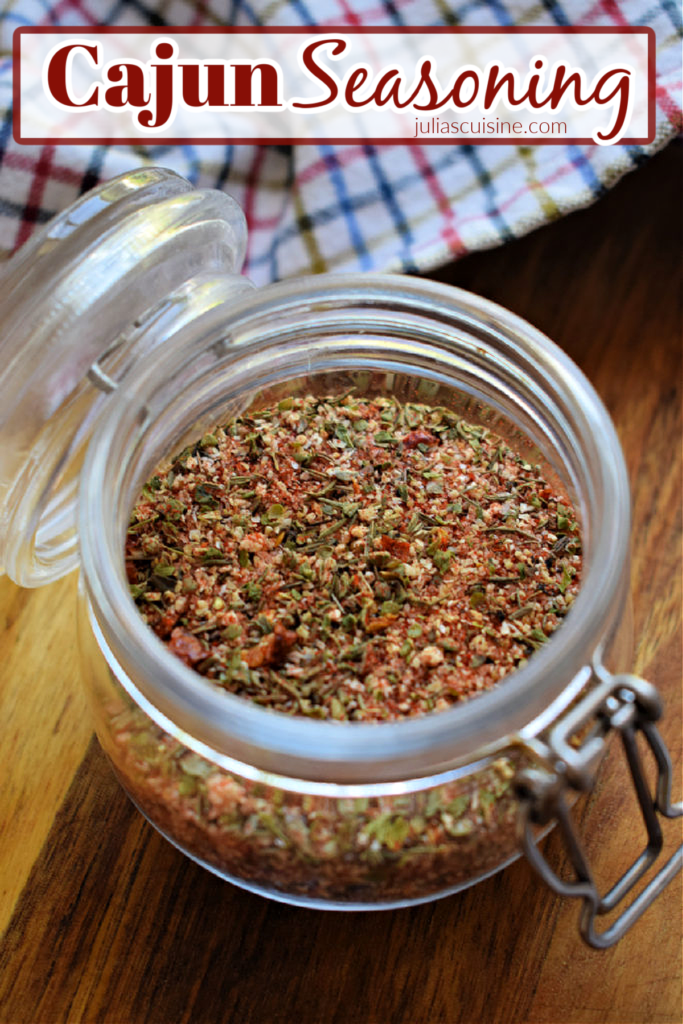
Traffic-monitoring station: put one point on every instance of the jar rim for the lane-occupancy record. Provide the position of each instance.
(348, 752)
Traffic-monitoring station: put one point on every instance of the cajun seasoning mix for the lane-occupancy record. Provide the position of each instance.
(352, 558)
(345, 558)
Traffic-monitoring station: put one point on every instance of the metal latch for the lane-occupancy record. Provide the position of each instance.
(628, 705)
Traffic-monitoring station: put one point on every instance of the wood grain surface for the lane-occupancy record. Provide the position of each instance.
(106, 922)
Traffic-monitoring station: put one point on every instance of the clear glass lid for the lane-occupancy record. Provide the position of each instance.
(73, 304)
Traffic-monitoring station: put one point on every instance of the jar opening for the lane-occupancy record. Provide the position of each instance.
(381, 335)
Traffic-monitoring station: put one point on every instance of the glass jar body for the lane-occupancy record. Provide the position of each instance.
(334, 847)
(343, 815)
(344, 847)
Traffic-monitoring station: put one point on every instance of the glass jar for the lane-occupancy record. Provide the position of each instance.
(154, 338)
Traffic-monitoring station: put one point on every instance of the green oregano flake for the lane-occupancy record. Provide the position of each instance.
(442, 560)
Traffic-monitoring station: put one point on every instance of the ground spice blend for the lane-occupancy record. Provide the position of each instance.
(352, 558)
(343, 558)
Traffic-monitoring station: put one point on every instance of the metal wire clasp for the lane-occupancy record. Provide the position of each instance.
(626, 704)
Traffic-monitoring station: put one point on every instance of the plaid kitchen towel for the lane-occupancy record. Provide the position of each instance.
(356, 207)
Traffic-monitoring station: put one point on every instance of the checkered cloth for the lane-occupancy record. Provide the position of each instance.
(317, 208)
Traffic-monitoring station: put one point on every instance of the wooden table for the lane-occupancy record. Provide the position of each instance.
(107, 922)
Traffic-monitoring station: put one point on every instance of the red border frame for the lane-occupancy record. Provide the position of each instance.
(324, 30)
